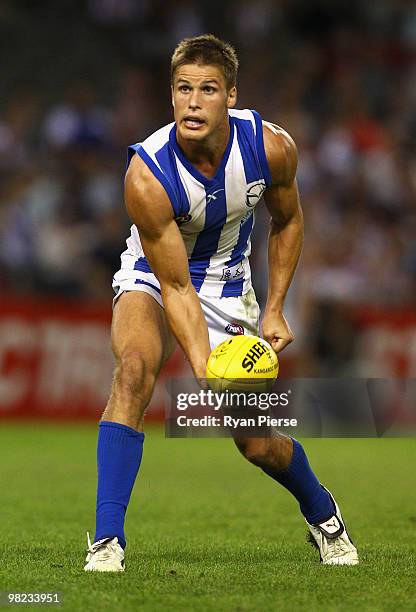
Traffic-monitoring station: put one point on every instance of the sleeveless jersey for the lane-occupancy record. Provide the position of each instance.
(215, 216)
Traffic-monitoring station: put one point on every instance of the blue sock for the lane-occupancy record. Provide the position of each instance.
(315, 503)
(119, 454)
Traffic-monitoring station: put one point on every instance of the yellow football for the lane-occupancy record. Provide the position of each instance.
(242, 363)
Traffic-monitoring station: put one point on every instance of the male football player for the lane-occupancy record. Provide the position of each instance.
(191, 191)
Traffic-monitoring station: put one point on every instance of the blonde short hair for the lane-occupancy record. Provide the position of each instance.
(207, 49)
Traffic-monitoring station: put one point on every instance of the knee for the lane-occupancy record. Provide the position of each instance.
(132, 373)
(267, 453)
(254, 450)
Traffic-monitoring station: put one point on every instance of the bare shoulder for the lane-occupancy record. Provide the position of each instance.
(281, 153)
(146, 199)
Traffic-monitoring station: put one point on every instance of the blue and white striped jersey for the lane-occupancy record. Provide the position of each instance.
(215, 216)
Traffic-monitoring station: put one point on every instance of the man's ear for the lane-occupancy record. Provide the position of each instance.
(232, 97)
(171, 93)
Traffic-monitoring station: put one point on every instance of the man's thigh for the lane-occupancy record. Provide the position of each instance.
(140, 326)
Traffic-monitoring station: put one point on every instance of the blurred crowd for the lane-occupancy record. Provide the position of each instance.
(85, 79)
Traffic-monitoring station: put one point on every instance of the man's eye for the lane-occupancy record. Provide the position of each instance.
(209, 89)
(184, 88)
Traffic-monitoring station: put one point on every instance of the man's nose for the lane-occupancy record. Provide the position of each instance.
(194, 101)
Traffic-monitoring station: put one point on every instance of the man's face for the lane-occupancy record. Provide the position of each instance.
(200, 100)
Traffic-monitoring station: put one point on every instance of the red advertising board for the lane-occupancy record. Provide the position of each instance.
(56, 361)
(386, 345)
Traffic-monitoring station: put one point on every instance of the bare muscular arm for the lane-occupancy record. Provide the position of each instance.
(286, 231)
(151, 211)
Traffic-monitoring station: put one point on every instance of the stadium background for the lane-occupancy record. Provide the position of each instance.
(207, 531)
(83, 79)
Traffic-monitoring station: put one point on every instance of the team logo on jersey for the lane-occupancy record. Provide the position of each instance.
(235, 329)
(254, 193)
(183, 219)
(234, 273)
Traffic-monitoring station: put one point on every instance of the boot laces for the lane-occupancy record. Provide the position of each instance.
(335, 548)
(100, 548)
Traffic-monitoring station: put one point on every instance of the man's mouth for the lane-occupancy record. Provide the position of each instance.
(193, 123)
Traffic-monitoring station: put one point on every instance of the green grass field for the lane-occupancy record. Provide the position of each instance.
(206, 530)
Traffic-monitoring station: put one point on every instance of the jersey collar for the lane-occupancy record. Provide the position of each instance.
(191, 168)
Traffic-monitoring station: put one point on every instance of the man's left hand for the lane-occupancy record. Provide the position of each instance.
(276, 330)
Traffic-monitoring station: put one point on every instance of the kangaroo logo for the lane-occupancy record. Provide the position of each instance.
(254, 193)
